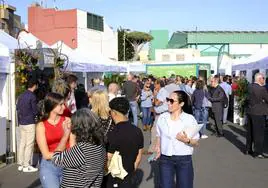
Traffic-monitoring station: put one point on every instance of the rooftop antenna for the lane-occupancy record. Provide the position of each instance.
(54, 4)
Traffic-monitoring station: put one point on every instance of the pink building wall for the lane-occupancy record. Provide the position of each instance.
(50, 25)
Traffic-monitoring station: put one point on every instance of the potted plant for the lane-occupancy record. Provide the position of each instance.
(241, 98)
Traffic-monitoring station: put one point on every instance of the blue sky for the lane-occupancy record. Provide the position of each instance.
(173, 15)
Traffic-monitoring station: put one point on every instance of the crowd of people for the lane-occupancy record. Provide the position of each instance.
(80, 133)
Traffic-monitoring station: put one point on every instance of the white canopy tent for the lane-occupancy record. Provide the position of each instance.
(253, 64)
(256, 61)
(7, 89)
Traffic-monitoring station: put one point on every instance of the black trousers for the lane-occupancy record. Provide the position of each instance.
(255, 133)
(218, 115)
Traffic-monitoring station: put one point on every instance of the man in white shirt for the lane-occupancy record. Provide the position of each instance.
(228, 91)
(113, 89)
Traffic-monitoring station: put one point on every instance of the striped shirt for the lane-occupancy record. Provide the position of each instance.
(83, 165)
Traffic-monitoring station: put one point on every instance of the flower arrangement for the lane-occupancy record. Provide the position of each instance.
(241, 94)
(26, 62)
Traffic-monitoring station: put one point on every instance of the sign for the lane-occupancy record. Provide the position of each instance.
(168, 70)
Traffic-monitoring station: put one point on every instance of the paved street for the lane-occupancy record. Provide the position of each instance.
(218, 162)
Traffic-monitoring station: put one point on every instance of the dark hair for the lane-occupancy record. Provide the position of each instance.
(31, 83)
(183, 97)
(200, 84)
(225, 78)
(50, 102)
(120, 104)
(67, 92)
(194, 78)
(161, 82)
(71, 78)
(87, 128)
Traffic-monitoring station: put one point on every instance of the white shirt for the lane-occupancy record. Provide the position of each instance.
(167, 130)
(227, 89)
(161, 96)
(72, 103)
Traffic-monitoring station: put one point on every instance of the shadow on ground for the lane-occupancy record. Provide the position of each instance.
(35, 184)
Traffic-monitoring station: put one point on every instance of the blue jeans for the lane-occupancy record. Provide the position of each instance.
(50, 175)
(134, 110)
(146, 115)
(201, 116)
(181, 166)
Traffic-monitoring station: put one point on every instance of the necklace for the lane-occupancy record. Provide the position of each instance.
(54, 122)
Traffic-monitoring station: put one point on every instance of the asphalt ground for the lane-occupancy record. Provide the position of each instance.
(218, 163)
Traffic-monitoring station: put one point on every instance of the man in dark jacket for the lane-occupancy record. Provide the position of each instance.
(256, 112)
(217, 100)
(27, 111)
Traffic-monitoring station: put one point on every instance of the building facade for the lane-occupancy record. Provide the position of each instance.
(219, 48)
(160, 41)
(78, 29)
(9, 21)
(166, 55)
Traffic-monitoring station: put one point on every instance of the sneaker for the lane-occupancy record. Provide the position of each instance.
(29, 169)
(204, 136)
(20, 168)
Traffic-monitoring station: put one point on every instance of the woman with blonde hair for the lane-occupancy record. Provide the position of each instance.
(100, 106)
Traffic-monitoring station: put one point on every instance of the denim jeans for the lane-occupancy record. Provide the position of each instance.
(201, 116)
(181, 166)
(146, 115)
(50, 175)
(134, 110)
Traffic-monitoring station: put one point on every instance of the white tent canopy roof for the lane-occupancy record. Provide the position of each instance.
(29, 40)
(7, 40)
(258, 60)
(80, 62)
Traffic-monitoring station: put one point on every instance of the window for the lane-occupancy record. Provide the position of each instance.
(165, 57)
(95, 22)
(180, 57)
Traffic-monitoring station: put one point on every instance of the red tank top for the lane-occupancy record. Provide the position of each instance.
(54, 133)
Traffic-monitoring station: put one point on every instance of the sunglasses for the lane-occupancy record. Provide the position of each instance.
(170, 100)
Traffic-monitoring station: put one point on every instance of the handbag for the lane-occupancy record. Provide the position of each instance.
(116, 167)
(206, 102)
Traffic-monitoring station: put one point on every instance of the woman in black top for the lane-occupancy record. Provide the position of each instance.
(100, 106)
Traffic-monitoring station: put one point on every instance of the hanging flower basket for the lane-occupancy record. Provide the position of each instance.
(26, 62)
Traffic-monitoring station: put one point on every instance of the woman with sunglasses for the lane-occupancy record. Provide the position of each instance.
(146, 105)
(174, 147)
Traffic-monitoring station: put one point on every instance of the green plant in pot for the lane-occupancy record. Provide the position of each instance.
(241, 93)
(115, 78)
